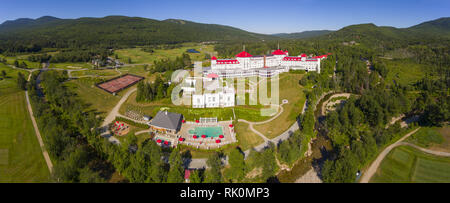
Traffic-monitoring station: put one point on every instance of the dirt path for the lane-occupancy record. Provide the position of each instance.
(38, 135)
(324, 105)
(375, 164)
(428, 151)
(262, 122)
(310, 177)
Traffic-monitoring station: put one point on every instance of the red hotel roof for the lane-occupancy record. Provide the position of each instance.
(279, 52)
(244, 55)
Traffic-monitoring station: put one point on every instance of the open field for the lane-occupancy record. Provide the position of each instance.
(403, 71)
(95, 73)
(291, 90)
(20, 59)
(21, 158)
(71, 66)
(99, 100)
(138, 56)
(406, 164)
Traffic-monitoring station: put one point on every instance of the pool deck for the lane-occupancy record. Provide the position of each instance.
(201, 143)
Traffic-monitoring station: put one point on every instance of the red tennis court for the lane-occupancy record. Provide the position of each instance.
(120, 83)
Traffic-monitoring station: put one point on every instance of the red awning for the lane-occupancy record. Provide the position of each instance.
(195, 136)
(183, 121)
(218, 141)
(203, 136)
(231, 125)
(221, 136)
(158, 141)
(166, 143)
(181, 139)
(197, 121)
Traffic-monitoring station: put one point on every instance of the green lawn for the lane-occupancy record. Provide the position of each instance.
(291, 90)
(71, 66)
(246, 138)
(21, 158)
(99, 100)
(112, 73)
(406, 164)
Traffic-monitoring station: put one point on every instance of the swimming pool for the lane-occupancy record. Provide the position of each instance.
(208, 131)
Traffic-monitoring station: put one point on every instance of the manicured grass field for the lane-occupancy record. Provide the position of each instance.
(21, 158)
(247, 139)
(291, 90)
(406, 164)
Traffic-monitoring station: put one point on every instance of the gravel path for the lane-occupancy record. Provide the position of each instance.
(38, 135)
(310, 177)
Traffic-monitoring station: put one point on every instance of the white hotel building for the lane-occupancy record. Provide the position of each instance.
(279, 61)
(245, 65)
(212, 94)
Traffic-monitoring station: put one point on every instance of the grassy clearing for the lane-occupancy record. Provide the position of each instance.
(21, 158)
(406, 164)
(247, 139)
(98, 99)
(291, 90)
(404, 71)
(96, 73)
(138, 56)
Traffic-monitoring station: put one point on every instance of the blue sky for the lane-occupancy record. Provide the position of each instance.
(262, 16)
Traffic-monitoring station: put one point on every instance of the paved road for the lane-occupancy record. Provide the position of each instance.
(375, 164)
(38, 135)
(115, 111)
(112, 116)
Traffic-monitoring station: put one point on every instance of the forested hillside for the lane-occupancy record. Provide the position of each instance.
(27, 35)
(303, 35)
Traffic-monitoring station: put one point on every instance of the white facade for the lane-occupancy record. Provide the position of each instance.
(246, 65)
(212, 94)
